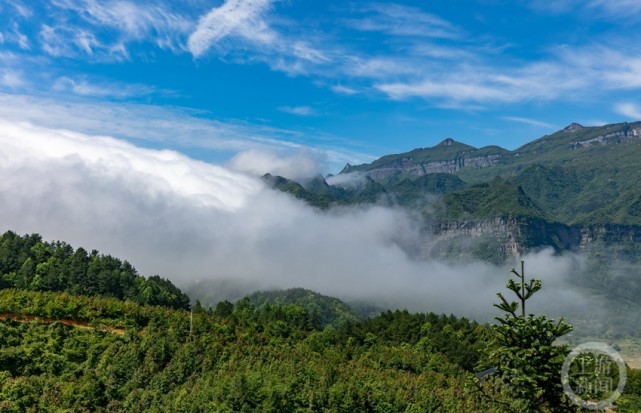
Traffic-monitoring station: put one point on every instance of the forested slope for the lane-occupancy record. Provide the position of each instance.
(62, 352)
(27, 262)
(228, 359)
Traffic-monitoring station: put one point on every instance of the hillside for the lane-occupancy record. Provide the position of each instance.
(98, 353)
(27, 262)
(327, 310)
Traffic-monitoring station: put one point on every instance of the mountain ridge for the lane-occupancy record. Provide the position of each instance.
(565, 190)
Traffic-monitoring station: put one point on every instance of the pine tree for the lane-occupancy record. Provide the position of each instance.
(528, 363)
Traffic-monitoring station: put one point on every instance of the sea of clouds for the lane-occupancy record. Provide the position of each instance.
(190, 220)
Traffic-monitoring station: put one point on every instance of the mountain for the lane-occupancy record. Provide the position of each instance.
(67, 347)
(448, 156)
(578, 190)
(568, 187)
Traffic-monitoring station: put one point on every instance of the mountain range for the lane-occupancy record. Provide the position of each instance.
(576, 191)
(569, 190)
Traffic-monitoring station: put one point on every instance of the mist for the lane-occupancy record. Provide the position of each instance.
(192, 221)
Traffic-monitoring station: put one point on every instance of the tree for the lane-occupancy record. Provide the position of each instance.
(528, 363)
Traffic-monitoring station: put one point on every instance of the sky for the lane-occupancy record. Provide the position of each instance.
(141, 129)
(339, 81)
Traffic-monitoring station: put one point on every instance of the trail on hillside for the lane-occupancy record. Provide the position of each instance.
(65, 321)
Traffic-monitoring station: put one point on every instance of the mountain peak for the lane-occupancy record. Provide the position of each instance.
(448, 142)
(573, 127)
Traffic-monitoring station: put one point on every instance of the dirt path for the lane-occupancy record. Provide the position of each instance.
(65, 321)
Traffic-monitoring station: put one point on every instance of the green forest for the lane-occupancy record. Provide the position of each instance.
(83, 332)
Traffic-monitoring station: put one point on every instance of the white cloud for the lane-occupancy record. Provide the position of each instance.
(20, 8)
(86, 41)
(57, 41)
(449, 89)
(234, 18)
(400, 20)
(298, 110)
(344, 90)
(531, 122)
(300, 165)
(617, 8)
(21, 39)
(173, 127)
(12, 79)
(160, 171)
(83, 87)
(379, 67)
(631, 110)
(567, 74)
(79, 28)
(246, 31)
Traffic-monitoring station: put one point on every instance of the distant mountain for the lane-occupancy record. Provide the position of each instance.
(582, 176)
(448, 156)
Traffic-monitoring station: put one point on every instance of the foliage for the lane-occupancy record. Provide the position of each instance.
(27, 262)
(499, 198)
(291, 351)
(328, 310)
(527, 361)
(268, 359)
(238, 358)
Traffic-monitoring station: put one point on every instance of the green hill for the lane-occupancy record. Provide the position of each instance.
(329, 310)
(27, 262)
(60, 352)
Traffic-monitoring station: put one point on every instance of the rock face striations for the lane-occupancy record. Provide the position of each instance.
(449, 156)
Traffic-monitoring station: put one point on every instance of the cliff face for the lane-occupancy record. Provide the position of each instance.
(629, 132)
(610, 234)
(449, 156)
(409, 167)
(503, 238)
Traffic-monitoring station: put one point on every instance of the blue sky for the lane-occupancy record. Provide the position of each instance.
(338, 81)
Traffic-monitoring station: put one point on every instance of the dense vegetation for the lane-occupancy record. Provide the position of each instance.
(285, 351)
(27, 262)
(328, 310)
(232, 359)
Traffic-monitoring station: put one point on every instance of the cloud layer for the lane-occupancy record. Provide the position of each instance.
(190, 220)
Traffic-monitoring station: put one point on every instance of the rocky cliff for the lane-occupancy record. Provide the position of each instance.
(449, 156)
(499, 239)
